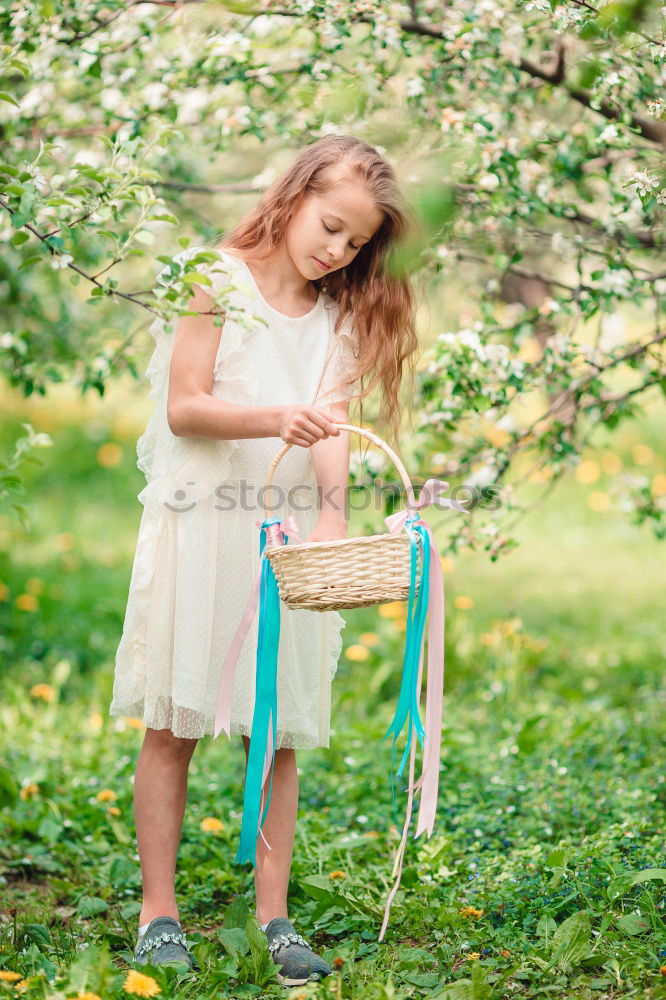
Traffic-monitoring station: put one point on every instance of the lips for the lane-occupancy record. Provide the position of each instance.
(324, 267)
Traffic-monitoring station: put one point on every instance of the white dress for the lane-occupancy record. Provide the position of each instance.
(197, 549)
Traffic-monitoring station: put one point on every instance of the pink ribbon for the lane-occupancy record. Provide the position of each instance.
(429, 780)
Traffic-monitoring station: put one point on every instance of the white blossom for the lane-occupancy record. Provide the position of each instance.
(489, 182)
(61, 260)
(644, 182)
(608, 134)
(414, 86)
(616, 281)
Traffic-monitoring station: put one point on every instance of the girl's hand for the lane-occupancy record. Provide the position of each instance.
(328, 530)
(305, 425)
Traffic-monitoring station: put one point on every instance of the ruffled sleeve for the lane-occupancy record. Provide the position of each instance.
(183, 469)
(341, 365)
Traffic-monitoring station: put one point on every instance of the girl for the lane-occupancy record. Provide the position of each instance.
(310, 312)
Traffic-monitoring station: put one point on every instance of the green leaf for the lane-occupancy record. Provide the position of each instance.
(197, 277)
(571, 941)
(9, 790)
(618, 886)
(20, 237)
(263, 964)
(546, 927)
(462, 990)
(632, 923)
(38, 933)
(318, 887)
(4, 96)
(236, 913)
(234, 941)
(91, 906)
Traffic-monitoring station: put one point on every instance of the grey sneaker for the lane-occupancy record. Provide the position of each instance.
(297, 963)
(163, 943)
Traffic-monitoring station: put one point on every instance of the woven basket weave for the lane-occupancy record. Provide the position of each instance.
(345, 572)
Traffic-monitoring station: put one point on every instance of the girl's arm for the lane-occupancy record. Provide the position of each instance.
(192, 410)
(331, 462)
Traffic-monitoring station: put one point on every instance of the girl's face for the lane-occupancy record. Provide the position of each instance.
(331, 229)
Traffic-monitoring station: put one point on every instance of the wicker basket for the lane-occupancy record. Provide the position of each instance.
(345, 572)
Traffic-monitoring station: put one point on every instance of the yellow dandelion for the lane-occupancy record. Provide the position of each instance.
(393, 609)
(473, 955)
(356, 652)
(489, 639)
(598, 501)
(211, 824)
(113, 811)
(447, 564)
(369, 638)
(26, 602)
(140, 985)
(611, 463)
(65, 541)
(658, 485)
(463, 602)
(509, 627)
(29, 791)
(43, 691)
(21, 986)
(8, 976)
(471, 913)
(106, 795)
(642, 454)
(587, 472)
(95, 721)
(337, 874)
(109, 455)
(133, 723)
(4, 592)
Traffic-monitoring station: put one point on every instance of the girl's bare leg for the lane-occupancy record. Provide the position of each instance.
(160, 793)
(271, 876)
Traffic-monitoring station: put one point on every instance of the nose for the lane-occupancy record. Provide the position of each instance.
(333, 254)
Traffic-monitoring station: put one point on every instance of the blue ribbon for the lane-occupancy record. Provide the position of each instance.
(265, 707)
(407, 708)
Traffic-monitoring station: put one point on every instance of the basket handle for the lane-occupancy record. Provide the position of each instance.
(371, 436)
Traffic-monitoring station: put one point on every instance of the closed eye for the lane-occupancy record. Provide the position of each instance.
(335, 231)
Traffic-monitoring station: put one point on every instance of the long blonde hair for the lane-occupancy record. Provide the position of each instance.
(373, 290)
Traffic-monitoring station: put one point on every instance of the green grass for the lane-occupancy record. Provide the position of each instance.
(552, 794)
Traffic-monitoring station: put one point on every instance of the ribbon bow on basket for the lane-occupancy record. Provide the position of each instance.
(401, 564)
